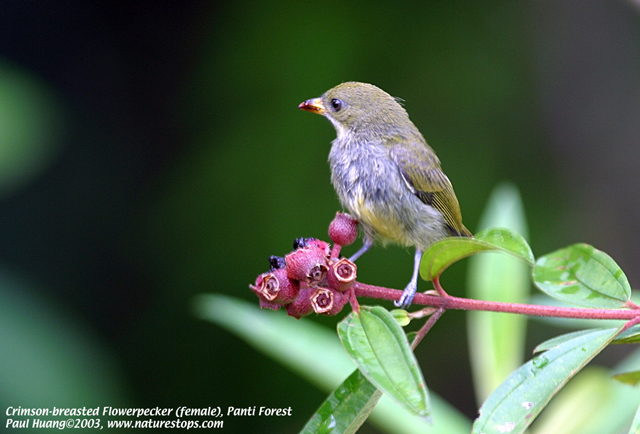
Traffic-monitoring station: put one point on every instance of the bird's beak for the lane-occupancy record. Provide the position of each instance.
(313, 105)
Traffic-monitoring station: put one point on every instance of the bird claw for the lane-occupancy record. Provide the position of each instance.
(407, 297)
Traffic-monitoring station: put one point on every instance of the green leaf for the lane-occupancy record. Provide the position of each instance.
(378, 345)
(635, 425)
(449, 250)
(33, 126)
(496, 340)
(346, 409)
(629, 336)
(559, 340)
(632, 378)
(315, 353)
(516, 403)
(582, 275)
(592, 403)
(296, 344)
(578, 407)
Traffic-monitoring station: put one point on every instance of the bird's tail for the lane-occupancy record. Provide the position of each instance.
(462, 231)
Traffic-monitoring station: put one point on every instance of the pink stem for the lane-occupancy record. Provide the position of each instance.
(426, 327)
(450, 302)
(335, 251)
(355, 306)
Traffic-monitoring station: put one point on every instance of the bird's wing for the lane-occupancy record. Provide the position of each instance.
(422, 173)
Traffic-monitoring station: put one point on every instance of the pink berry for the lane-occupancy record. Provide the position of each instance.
(301, 306)
(327, 301)
(308, 264)
(276, 287)
(343, 229)
(342, 274)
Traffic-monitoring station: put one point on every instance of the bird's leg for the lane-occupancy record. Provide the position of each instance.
(412, 287)
(365, 246)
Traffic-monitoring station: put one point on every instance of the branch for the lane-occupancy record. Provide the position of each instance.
(457, 303)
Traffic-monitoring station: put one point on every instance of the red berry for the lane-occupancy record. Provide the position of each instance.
(301, 306)
(301, 243)
(343, 229)
(308, 264)
(318, 244)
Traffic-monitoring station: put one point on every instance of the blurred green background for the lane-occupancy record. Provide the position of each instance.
(151, 151)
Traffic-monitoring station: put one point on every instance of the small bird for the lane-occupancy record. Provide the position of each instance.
(386, 175)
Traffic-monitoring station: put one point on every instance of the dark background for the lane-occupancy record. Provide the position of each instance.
(154, 151)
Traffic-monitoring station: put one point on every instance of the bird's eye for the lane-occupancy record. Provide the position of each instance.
(336, 104)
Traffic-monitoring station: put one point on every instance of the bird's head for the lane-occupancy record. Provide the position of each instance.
(361, 108)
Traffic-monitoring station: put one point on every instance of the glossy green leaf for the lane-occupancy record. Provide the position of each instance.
(346, 409)
(449, 250)
(583, 275)
(516, 403)
(315, 353)
(578, 407)
(496, 340)
(559, 340)
(625, 401)
(592, 403)
(629, 336)
(632, 378)
(378, 345)
(635, 425)
(299, 345)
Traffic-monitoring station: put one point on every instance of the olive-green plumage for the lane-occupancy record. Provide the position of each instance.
(385, 174)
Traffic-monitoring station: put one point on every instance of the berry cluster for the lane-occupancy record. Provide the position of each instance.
(312, 278)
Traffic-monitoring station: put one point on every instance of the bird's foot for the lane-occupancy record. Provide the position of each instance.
(365, 247)
(407, 296)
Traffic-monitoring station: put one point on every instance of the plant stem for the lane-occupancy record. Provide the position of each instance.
(450, 302)
(426, 327)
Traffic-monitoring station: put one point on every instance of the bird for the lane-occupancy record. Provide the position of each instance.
(386, 175)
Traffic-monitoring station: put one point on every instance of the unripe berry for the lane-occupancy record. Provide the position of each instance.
(343, 229)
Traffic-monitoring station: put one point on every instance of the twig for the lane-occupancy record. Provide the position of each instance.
(457, 303)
